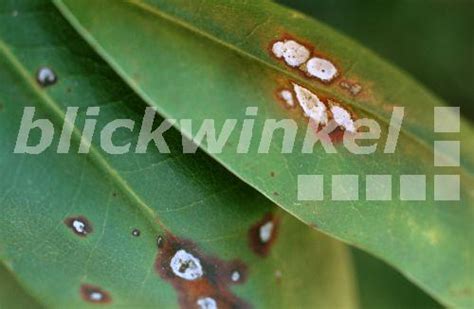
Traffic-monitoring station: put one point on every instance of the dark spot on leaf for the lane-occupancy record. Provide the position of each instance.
(235, 272)
(272, 174)
(262, 235)
(136, 232)
(94, 294)
(197, 277)
(337, 135)
(276, 193)
(46, 77)
(114, 194)
(334, 131)
(79, 225)
(68, 90)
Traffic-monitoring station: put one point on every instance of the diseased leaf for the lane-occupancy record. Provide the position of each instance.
(213, 59)
(443, 33)
(129, 231)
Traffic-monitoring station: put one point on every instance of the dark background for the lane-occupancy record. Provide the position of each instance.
(430, 39)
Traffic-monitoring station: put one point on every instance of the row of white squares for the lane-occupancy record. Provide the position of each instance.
(378, 188)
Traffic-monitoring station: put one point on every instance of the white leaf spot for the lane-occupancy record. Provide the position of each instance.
(186, 266)
(343, 118)
(312, 106)
(79, 226)
(207, 303)
(96, 296)
(235, 276)
(278, 49)
(287, 96)
(266, 231)
(294, 53)
(321, 68)
(46, 76)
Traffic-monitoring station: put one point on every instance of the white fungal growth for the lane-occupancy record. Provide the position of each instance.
(321, 68)
(343, 118)
(186, 266)
(206, 303)
(312, 106)
(287, 96)
(96, 296)
(266, 231)
(294, 53)
(235, 276)
(79, 226)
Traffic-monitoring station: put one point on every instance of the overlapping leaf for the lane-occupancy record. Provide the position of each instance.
(210, 59)
(187, 200)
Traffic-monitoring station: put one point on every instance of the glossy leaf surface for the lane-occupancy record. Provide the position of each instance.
(211, 59)
(77, 230)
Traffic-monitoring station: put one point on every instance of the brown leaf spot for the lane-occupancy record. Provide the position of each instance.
(159, 241)
(337, 135)
(263, 234)
(326, 132)
(331, 133)
(352, 87)
(79, 225)
(198, 277)
(286, 97)
(94, 294)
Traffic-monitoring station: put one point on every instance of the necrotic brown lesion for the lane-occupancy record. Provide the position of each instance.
(79, 225)
(262, 235)
(197, 277)
(94, 294)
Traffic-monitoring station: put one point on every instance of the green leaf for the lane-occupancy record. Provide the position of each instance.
(443, 33)
(69, 222)
(12, 295)
(210, 59)
(382, 287)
